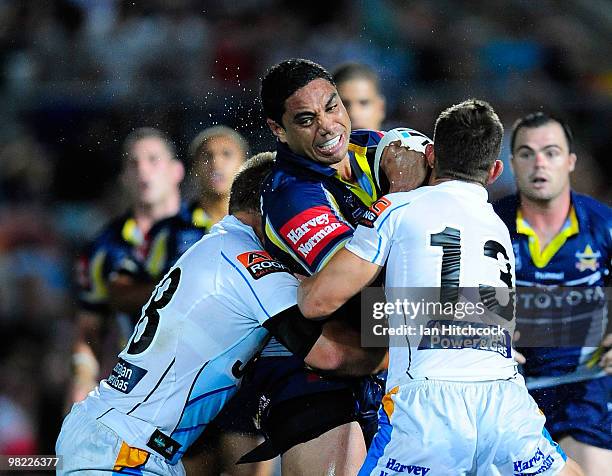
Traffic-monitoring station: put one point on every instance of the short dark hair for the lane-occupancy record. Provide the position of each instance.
(285, 78)
(145, 133)
(467, 141)
(245, 194)
(216, 131)
(349, 71)
(537, 119)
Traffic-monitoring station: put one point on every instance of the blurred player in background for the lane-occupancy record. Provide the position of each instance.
(121, 267)
(458, 410)
(204, 323)
(359, 89)
(561, 239)
(216, 154)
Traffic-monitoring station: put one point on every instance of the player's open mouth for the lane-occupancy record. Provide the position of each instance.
(538, 181)
(331, 146)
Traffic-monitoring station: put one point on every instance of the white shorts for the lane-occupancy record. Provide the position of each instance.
(430, 427)
(89, 447)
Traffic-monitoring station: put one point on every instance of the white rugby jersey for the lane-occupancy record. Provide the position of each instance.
(195, 336)
(445, 237)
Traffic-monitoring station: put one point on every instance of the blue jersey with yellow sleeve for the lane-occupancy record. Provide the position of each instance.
(122, 248)
(561, 297)
(309, 212)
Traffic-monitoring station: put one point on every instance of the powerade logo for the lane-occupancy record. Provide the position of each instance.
(311, 230)
(538, 460)
(396, 466)
(260, 264)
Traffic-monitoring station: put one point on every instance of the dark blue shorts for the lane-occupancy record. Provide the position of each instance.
(281, 379)
(582, 410)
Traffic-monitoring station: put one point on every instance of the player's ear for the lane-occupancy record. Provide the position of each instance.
(572, 160)
(429, 155)
(495, 171)
(277, 130)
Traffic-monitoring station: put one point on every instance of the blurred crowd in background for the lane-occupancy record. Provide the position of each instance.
(78, 75)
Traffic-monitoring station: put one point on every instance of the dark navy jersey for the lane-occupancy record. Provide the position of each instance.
(561, 291)
(122, 248)
(309, 212)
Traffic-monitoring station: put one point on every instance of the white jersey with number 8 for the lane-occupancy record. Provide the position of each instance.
(200, 328)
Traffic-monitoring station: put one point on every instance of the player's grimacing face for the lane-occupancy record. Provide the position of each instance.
(218, 161)
(150, 173)
(364, 104)
(315, 123)
(542, 162)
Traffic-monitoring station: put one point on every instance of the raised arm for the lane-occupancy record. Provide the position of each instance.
(344, 276)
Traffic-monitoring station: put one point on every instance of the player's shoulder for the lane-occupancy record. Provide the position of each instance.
(241, 249)
(392, 203)
(506, 208)
(284, 192)
(597, 216)
(114, 232)
(365, 137)
(596, 210)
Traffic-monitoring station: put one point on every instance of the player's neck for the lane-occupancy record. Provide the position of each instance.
(546, 218)
(253, 220)
(215, 207)
(344, 169)
(147, 215)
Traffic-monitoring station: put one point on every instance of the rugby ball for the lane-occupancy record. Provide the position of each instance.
(410, 138)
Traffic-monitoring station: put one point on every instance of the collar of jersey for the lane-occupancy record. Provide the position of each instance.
(131, 233)
(229, 221)
(285, 157)
(541, 257)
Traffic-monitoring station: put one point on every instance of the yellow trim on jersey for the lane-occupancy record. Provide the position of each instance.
(388, 403)
(362, 161)
(335, 208)
(129, 457)
(595, 357)
(331, 254)
(99, 290)
(200, 219)
(278, 241)
(130, 232)
(541, 257)
(158, 254)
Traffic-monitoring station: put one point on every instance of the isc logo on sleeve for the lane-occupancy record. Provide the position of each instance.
(260, 264)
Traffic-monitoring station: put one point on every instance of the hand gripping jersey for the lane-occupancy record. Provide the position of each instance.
(578, 257)
(122, 248)
(308, 211)
(195, 336)
(444, 237)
